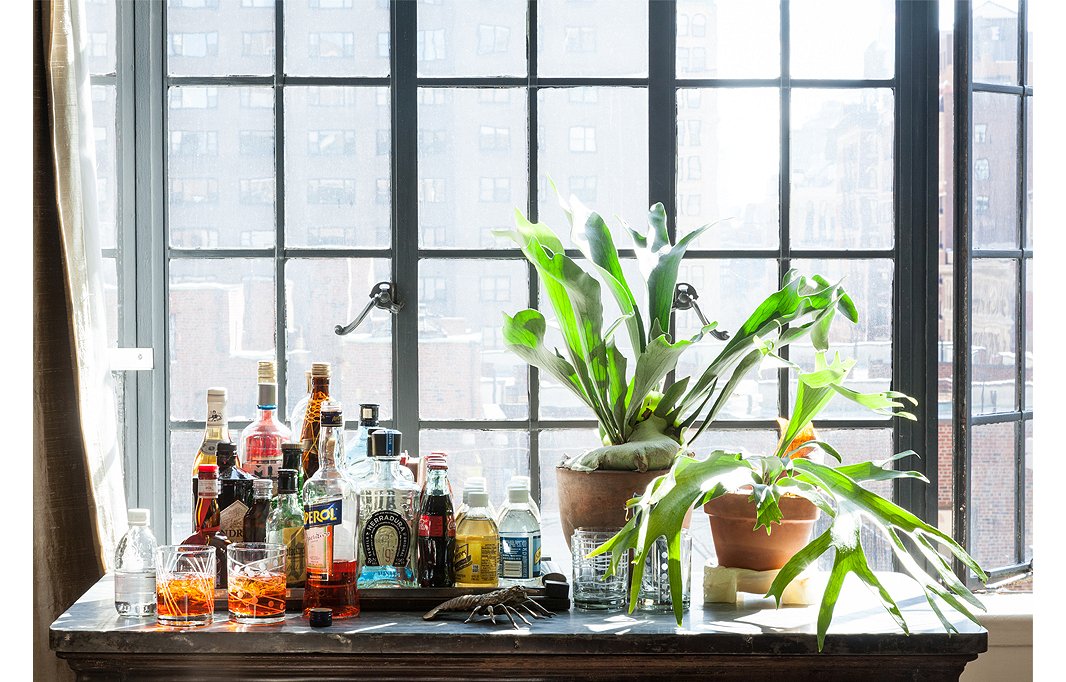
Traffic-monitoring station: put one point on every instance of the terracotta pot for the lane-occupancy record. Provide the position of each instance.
(732, 519)
(597, 499)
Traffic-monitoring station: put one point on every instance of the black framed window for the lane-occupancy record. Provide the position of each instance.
(786, 117)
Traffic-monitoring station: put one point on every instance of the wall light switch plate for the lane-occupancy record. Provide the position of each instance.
(134, 359)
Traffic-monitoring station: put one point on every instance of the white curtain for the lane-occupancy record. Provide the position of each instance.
(74, 147)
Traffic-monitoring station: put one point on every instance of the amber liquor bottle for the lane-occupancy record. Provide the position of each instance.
(255, 521)
(206, 520)
(216, 431)
(309, 433)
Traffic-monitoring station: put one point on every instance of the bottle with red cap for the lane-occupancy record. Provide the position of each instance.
(436, 527)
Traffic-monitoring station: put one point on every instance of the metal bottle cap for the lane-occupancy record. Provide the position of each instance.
(368, 413)
(384, 443)
(321, 617)
(217, 393)
(262, 485)
(320, 369)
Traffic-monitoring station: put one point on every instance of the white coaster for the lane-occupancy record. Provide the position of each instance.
(721, 585)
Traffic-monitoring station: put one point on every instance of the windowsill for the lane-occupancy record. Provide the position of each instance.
(1009, 619)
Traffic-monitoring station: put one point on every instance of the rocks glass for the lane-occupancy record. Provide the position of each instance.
(593, 590)
(185, 585)
(654, 592)
(256, 582)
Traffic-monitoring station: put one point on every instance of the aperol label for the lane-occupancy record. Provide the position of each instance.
(319, 522)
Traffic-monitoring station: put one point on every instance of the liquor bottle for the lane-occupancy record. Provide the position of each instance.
(234, 492)
(436, 529)
(387, 510)
(519, 541)
(260, 443)
(135, 568)
(292, 458)
(255, 519)
(216, 431)
(355, 454)
(477, 545)
(330, 515)
(296, 417)
(309, 433)
(206, 518)
(285, 527)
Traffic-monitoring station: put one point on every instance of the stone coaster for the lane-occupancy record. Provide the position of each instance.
(721, 585)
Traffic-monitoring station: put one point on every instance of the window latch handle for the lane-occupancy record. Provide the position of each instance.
(382, 295)
(685, 296)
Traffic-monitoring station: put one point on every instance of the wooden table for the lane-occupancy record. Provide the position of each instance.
(750, 641)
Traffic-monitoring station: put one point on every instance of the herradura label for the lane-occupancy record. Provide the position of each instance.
(386, 539)
(319, 522)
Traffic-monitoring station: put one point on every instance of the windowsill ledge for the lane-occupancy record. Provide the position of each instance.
(1009, 619)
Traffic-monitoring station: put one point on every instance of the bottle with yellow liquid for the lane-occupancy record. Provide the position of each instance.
(477, 545)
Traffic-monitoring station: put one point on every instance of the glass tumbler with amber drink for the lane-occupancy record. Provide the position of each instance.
(185, 585)
(256, 582)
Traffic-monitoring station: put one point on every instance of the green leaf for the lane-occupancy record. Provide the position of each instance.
(877, 471)
(657, 360)
(524, 336)
(767, 510)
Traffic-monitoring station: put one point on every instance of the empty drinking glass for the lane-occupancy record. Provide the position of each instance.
(593, 589)
(185, 585)
(654, 592)
(256, 582)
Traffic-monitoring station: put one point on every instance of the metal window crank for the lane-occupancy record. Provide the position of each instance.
(383, 296)
(685, 298)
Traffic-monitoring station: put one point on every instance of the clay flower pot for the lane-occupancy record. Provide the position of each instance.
(732, 519)
(597, 499)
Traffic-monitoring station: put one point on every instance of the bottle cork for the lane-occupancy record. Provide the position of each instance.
(320, 369)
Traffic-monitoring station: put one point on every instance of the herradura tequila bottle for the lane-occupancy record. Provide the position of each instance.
(330, 514)
(216, 431)
(388, 510)
(309, 433)
(260, 444)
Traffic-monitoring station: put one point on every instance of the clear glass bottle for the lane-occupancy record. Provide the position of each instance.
(260, 442)
(387, 513)
(519, 541)
(296, 417)
(285, 527)
(216, 431)
(309, 433)
(330, 521)
(355, 454)
(477, 545)
(135, 568)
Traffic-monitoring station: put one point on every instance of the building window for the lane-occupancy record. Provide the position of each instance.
(431, 191)
(256, 143)
(580, 39)
(331, 191)
(193, 44)
(584, 188)
(194, 142)
(582, 139)
(257, 191)
(980, 133)
(430, 45)
(336, 45)
(256, 98)
(492, 39)
(494, 139)
(495, 189)
(257, 44)
(189, 191)
(330, 142)
(496, 289)
(980, 169)
(384, 45)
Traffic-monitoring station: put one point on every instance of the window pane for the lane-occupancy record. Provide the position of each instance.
(728, 39)
(493, 455)
(101, 28)
(465, 370)
(869, 282)
(729, 292)
(555, 446)
(322, 293)
(728, 166)
(221, 323)
(472, 38)
(995, 42)
(183, 447)
(858, 445)
(992, 502)
(209, 38)
(112, 299)
(592, 38)
(1029, 334)
(842, 38)
(220, 167)
(1028, 489)
(842, 154)
(1028, 172)
(594, 144)
(995, 290)
(337, 167)
(337, 38)
(995, 171)
(106, 134)
(472, 154)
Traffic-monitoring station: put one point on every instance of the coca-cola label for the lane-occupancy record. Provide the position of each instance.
(386, 539)
(430, 526)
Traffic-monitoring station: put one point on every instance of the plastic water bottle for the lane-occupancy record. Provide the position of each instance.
(519, 541)
(135, 568)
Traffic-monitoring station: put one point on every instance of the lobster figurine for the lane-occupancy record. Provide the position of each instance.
(506, 601)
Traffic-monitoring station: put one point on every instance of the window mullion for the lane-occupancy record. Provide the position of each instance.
(281, 346)
(533, 211)
(404, 114)
(784, 191)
